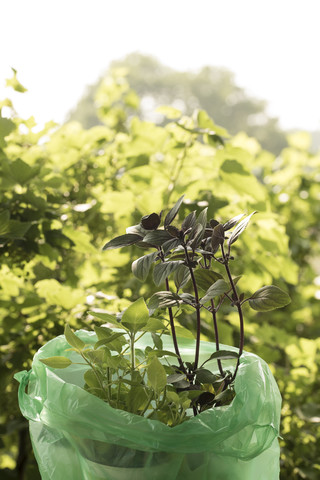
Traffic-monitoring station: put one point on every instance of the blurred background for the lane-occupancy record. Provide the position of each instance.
(85, 151)
(261, 58)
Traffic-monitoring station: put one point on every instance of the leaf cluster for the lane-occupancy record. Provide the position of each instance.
(141, 381)
(137, 381)
(191, 250)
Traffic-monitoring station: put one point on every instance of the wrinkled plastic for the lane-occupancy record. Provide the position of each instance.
(76, 435)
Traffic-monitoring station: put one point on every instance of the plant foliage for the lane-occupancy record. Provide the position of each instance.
(136, 381)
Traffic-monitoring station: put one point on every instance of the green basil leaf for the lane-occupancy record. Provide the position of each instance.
(157, 237)
(239, 229)
(136, 316)
(163, 299)
(123, 241)
(163, 270)
(218, 288)
(173, 212)
(223, 355)
(157, 378)
(205, 278)
(72, 338)
(268, 298)
(181, 277)
(56, 362)
(141, 266)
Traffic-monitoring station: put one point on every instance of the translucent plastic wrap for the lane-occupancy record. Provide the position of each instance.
(76, 435)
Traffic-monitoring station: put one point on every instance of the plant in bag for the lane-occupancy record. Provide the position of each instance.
(135, 399)
(139, 375)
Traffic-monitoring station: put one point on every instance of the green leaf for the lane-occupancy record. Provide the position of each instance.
(116, 342)
(14, 82)
(217, 238)
(181, 277)
(203, 375)
(112, 361)
(91, 379)
(56, 362)
(141, 266)
(187, 298)
(102, 332)
(136, 316)
(239, 229)
(213, 139)
(157, 341)
(170, 245)
(173, 397)
(163, 299)
(81, 240)
(232, 222)
(157, 378)
(205, 278)
(57, 239)
(205, 122)
(106, 317)
(241, 181)
(223, 355)
(136, 399)
(183, 332)
(182, 384)
(157, 237)
(236, 279)
(169, 112)
(163, 270)
(110, 339)
(202, 217)
(218, 288)
(72, 338)
(123, 241)
(196, 236)
(173, 212)
(232, 166)
(160, 353)
(20, 172)
(154, 325)
(174, 231)
(189, 221)
(17, 230)
(268, 298)
(6, 127)
(97, 356)
(176, 377)
(136, 379)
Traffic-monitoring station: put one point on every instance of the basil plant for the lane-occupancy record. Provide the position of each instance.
(152, 381)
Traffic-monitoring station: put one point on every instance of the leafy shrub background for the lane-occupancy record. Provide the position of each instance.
(66, 190)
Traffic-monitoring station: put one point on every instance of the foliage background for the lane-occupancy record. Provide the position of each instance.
(212, 89)
(66, 189)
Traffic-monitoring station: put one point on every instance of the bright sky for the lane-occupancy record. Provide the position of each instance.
(60, 46)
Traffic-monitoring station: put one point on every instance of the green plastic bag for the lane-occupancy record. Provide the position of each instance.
(76, 435)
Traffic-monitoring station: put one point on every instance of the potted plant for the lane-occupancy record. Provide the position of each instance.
(133, 399)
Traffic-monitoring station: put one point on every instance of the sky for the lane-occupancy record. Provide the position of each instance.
(59, 47)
